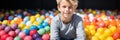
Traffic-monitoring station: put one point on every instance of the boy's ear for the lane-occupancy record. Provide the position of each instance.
(58, 7)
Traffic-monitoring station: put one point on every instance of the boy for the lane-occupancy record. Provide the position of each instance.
(67, 25)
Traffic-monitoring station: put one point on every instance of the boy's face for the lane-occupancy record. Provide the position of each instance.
(66, 9)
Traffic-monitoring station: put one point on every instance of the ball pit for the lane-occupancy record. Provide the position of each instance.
(35, 25)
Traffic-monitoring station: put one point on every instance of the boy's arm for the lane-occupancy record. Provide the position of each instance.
(80, 33)
(54, 35)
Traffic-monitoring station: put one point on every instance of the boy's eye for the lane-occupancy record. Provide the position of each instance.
(64, 6)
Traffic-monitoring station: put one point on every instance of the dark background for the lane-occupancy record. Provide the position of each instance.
(50, 4)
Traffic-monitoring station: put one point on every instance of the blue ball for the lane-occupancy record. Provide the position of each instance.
(33, 27)
(36, 35)
(45, 24)
(26, 31)
(10, 18)
(40, 26)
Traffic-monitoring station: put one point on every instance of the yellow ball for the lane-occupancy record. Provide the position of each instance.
(109, 38)
(92, 32)
(100, 30)
(87, 31)
(91, 27)
(95, 38)
(102, 37)
(12, 22)
(113, 29)
(27, 27)
(5, 22)
(107, 32)
(32, 19)
(21, 26)
(42, 17)
(37, 15)
(36, 23)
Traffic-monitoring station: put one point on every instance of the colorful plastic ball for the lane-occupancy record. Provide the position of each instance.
(38, 19)
(47, 28)
(47, 19)
(28, 23)
(2, 32)
(36, 35)
(33, 27)
(10, 17)
(26, 18)
(36, 23)
(21, 26)
(40, 26)
(9, 38)
(17, 38)
(32, 32)
(22, 35)
(41, 31)
(14, 26)
(45, 24)
(5, 22)
(0, 27)
(38, 38)
(3, 37)
(42, 17)
(32, 19)
(27, 38)
(46, 37)
(12, 33)
(26, 31)
(3, 26)
(7, 29)
(12, 21)
(17, 31)
(37, 15)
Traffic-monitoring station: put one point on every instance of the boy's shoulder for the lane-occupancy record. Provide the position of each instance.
(56, 18)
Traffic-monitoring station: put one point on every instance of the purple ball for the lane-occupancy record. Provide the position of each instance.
(17, 31)
(7, 29)
(38, 38)
(14, 26)
(3, 26)
(36, 35)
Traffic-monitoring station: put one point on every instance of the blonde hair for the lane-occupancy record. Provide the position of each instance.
(73, 2)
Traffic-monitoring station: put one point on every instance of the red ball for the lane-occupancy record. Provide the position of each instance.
(12, 33)
(46, 37)
(3, 37)
(2, 32)
(9, 38)
(22, 35)
(27, 38)
(116, 35)
(32, 32)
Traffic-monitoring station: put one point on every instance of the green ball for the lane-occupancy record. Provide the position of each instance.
(17, 38)
(47, 28)
(41, 31)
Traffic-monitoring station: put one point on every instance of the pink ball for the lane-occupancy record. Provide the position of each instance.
(2, 32)
(27, 38)
(12, 33)
(9, 38)
(46, 37)
(17, 31)
(22, 35)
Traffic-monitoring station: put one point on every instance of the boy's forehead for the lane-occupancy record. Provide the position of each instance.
(65, 2)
